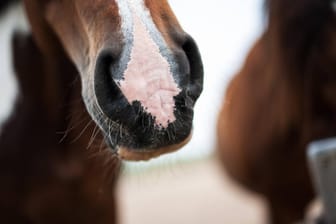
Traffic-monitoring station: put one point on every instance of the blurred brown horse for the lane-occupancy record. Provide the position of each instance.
(96, 81)
(283, 98)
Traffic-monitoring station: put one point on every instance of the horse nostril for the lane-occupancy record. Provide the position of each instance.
(196, 68)
(109, 96)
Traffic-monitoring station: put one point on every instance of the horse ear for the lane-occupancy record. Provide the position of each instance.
(43, 35)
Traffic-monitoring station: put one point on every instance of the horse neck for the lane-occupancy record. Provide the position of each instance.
(295, 10)
(49, 126)
(301, 43)
(41, 88)
(37, 164)
(297, 30)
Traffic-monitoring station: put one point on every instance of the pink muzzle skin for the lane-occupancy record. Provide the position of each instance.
(148, 79)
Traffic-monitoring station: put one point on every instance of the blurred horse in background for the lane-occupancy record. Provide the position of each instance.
(283, 98)
(96, 82)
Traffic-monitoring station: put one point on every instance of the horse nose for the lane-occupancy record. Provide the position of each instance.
(110, 74)
(109, 97)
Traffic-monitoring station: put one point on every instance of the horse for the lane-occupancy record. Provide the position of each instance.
(95, 83)
(282, 99)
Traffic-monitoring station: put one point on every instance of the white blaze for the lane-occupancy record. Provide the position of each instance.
(148, 78)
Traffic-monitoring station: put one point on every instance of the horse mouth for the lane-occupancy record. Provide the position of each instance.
(130, 154)
(136, 137)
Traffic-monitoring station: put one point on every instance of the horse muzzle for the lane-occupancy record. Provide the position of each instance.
(148, 98)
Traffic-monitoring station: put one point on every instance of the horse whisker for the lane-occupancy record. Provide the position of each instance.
(82, 132)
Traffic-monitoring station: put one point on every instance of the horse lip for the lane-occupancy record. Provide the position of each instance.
(129, 154)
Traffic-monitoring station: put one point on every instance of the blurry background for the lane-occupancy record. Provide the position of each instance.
(189, 187)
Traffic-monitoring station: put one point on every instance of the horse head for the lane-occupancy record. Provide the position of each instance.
(141, 74)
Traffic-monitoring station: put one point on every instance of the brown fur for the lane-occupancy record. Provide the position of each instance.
(48, 175)
(283, 98)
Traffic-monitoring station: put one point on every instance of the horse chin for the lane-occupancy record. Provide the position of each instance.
(137, 137)
(132, 147)
(131, 154)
